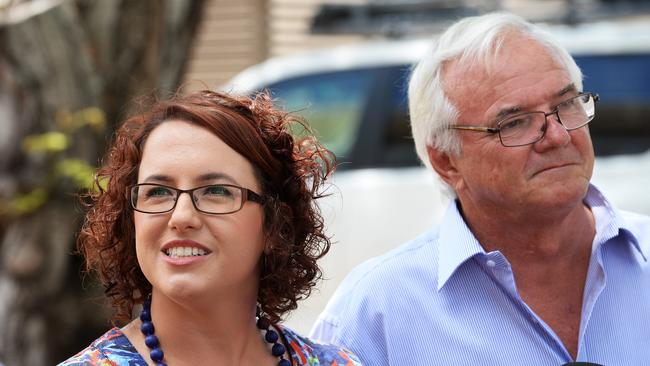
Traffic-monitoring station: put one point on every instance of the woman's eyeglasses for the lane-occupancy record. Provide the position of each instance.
(215, 199)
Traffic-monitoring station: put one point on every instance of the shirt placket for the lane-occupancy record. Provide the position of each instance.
(500, 270)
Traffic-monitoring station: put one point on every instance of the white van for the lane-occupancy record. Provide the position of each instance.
(355, 99)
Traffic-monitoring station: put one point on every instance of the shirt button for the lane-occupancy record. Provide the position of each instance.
(490, 263)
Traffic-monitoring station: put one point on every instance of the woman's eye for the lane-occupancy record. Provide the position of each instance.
(217, 191)
(158, 191)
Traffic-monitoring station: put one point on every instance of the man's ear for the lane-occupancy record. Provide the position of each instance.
(445, 166)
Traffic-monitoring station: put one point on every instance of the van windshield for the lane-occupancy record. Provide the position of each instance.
(331, 103)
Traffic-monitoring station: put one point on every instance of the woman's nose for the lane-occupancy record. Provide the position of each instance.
(184, 216)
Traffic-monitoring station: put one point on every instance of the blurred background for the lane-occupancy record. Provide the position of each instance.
(70, 70)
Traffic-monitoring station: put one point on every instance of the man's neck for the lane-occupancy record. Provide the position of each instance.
(534, 236)
(549, 257)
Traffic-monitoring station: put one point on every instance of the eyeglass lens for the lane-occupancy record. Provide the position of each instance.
(151, 198)
(527, 128)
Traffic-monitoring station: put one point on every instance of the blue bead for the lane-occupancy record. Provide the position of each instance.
(284, 362)
(271, 336)
(147, 328)
(161, 364)
(151, 341)
(156, 355)
(145, 315)
(277, 350)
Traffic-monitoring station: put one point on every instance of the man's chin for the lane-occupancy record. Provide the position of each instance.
(561, 193)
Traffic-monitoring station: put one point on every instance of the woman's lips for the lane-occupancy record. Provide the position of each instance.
(181, 252)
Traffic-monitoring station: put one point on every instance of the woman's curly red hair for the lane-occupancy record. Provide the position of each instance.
(292, 172)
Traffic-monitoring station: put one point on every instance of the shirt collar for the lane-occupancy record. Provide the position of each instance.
(456, 243)
(609, 222)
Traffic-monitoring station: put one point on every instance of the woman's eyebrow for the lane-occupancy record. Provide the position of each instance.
(216, 176)
(163, 178)
(158, 178)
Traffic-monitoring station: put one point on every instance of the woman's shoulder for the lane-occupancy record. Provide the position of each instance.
(111, 349)
(307, 352)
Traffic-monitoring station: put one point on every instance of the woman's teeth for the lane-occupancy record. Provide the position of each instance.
(179, 252)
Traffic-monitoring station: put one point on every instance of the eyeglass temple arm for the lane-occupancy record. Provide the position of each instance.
(475, 128)
(252, 196)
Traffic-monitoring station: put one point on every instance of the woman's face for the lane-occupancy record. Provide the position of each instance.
(228, 247)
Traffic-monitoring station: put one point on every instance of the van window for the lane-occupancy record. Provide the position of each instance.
(399, 148)
(332, 103)
(622, 81)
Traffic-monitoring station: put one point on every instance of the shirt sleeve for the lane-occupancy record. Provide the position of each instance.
(353, 321)
(324, 330)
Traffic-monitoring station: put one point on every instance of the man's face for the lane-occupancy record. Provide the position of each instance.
(552, 173)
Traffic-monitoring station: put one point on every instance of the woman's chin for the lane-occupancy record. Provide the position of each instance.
(181, 288)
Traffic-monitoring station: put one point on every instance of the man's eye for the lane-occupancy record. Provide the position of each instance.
(518, 122)
(573, 102)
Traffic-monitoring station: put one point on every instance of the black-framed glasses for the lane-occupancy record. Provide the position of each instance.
(216, 199)
(530, 127)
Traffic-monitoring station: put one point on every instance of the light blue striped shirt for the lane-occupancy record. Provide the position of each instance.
(442, 300)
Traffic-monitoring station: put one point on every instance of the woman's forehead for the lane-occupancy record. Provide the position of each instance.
(182, 151)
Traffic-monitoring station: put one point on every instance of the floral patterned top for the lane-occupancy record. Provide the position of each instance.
(114, 349)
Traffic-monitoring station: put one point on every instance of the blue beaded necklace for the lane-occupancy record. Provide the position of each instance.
(157, 355)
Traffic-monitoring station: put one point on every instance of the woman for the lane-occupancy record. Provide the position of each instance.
(205, 214)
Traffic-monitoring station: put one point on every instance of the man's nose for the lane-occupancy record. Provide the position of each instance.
(555, 134)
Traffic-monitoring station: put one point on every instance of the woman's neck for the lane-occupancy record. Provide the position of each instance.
(211, 332)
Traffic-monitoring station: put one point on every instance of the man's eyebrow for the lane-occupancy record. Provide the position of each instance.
(567, 89)
(507, 112)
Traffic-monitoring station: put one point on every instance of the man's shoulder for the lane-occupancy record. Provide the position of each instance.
(638, 225)
(416, 254)
(635, 219)
(311, 353)
(376, 280)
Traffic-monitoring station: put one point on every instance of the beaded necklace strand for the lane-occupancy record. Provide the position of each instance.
(157, 355)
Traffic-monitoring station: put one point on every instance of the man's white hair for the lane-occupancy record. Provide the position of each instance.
(473, 41)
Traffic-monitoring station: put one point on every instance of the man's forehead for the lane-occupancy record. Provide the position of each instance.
(473, 80)
(484, 64)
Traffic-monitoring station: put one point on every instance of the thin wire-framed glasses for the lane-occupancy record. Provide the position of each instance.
(215, 199)
(530, 127)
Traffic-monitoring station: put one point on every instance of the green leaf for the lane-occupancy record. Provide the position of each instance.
(79, 171)
(26, 203)
(45, 142)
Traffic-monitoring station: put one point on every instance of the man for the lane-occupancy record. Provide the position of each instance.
(530, 265)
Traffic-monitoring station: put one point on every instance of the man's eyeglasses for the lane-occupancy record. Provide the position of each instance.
(217, 199)
(530, 127)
